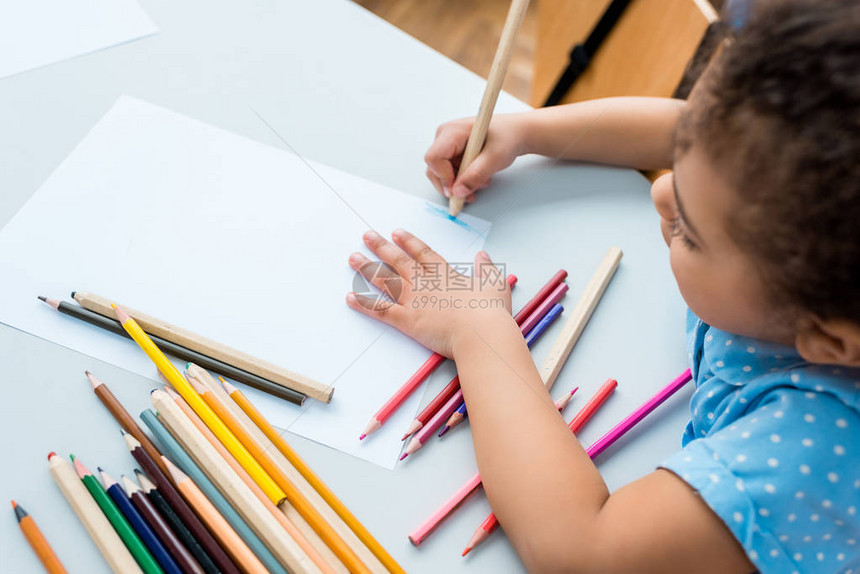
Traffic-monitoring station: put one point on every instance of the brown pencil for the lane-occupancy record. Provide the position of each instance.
(37, 541)
(237, 548)
(174, 547)
(125, 420)
(166, 489)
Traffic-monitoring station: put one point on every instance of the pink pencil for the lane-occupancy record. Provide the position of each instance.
(433, 424)
(542, 309)
(604, 442)
(403, 393)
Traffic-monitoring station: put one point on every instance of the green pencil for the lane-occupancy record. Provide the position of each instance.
(117, 520)
(171, 448)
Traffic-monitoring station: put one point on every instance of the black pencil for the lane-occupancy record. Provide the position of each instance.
(226, 369)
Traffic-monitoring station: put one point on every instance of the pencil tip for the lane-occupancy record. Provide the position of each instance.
(466, 551)
(72, 457)
(363, 436)
(445, 429)
(14, 504)
(452, 217)
(51, 455)
(43, 299)
(404, 455)
(73, 294)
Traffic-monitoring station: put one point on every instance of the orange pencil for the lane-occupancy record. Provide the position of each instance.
(235, 546)
(37, 541)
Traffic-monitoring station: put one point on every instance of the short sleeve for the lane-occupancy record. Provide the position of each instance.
(784, 479)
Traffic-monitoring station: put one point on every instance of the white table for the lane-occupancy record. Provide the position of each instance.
(347, 89)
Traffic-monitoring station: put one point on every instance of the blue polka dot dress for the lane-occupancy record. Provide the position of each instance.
(773, 447)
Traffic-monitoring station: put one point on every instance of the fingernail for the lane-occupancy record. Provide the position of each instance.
(355, 257)
(371, 235)
(446, 190)
(399, 233)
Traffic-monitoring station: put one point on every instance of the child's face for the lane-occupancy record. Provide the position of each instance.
(717, 279)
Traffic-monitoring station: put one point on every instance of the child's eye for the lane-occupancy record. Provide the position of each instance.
(678, 232)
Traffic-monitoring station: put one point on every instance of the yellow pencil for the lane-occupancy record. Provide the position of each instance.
(172, 374)
(322, 488)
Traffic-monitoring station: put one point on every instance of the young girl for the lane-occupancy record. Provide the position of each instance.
(760, 215)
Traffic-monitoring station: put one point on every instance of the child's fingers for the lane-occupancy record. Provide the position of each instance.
(437, 183)
(378, 275)
(447, 148)
(475, 177)
(385, 311)
(392, 255)
(417, 249)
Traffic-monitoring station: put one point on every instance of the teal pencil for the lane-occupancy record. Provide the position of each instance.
(173, 450)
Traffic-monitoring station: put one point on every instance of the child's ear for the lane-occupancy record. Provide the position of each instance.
(829, 341)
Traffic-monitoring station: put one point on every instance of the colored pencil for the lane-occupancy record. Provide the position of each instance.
(594, 403)
(544, 308)
(96, 523)
(332, 503)
(643, 411)
(446, 393)
(542, 293)
(129, 537)
(478, 135)
(444, 412)
(212, 349)
(213, 553)
(118, 412)
(404, 392)
(585, 413)
(181, 459)
(579, 317)
(182, 386)
(474, 483)
(141, 528)
(245, 559)
(293, 494)
(554, 313)
(112, 325)
(291, 522)
(561, 403)
(491, 523)
(37, 541)
(181, 555)
(175, 522)
(250, 508)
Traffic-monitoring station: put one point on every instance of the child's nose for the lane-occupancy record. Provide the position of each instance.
(663, 196)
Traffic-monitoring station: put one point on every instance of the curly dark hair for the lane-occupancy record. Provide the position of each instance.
(778, 112)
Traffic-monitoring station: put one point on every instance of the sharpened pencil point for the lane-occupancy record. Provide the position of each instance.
(73, 294)
(363, 436)
(404, 455)
(445, 429)
(466, 551)
(14, 504)
(51, 455)
(452, 217)
(43, 299)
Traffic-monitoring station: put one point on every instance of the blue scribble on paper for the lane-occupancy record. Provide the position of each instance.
(441, 212)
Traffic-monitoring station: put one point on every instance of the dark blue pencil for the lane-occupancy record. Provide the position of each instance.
(460, 414)
(140, 526)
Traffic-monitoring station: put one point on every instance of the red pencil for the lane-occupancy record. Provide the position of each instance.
(586, 412)
(525, 314)
(403, 393)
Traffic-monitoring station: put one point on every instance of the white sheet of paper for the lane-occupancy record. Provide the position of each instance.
(35, 33)
(232, 239)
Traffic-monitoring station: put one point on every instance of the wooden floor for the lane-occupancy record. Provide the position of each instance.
(467, 31)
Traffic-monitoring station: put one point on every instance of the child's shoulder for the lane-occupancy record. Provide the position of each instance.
(772, 448)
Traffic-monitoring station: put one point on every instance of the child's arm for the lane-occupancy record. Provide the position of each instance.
(631, 132)
(548, 495)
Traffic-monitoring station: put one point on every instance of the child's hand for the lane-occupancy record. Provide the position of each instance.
(430, 301)
(504, 143)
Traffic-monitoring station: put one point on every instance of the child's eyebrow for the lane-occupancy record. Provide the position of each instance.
(681, 212)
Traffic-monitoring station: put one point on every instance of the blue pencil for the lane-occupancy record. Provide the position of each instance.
(460, 414)
(147, 536)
